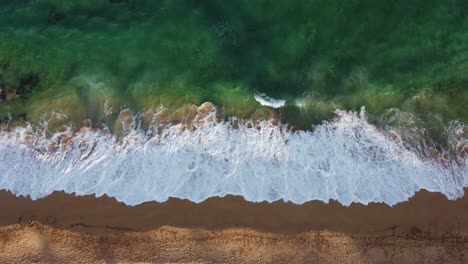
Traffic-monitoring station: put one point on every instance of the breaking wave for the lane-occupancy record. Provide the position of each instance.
(265, 100)
(346, 159)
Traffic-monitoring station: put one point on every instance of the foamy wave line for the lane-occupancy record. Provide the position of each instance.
(346, 159)
(265, 100)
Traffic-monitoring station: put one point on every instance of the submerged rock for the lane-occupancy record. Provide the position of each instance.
(11, 94)
(27, 83)
(7, 94)
(3, 94)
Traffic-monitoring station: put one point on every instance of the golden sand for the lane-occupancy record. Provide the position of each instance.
(64, 228)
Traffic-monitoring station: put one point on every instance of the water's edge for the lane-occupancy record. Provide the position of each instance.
(346, 159)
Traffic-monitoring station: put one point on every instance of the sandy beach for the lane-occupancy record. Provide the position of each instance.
(64, 228)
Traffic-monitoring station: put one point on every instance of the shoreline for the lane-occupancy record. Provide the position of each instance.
(427, 228)
(431, 212)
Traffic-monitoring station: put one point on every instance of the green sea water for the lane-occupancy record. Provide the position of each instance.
(79, 57)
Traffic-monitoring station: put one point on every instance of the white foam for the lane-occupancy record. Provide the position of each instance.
(265, 100)
(346, 159)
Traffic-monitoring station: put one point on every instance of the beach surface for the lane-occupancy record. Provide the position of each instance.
(64, 228)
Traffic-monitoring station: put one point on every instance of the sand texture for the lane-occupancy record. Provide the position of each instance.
(63, 228)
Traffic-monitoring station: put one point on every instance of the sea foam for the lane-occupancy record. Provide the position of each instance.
(265, 100)
(345, 159)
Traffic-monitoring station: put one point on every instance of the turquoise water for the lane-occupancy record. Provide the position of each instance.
(75, 57)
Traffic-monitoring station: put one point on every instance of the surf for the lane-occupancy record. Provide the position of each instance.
(346, 159)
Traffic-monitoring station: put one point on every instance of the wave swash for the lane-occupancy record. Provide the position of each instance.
(346, 159)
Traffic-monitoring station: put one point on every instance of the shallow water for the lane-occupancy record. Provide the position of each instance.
(143, 53)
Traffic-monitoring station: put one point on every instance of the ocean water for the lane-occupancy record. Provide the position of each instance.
(357, 101)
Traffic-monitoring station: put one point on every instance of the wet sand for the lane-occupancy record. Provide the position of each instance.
(66, 228)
